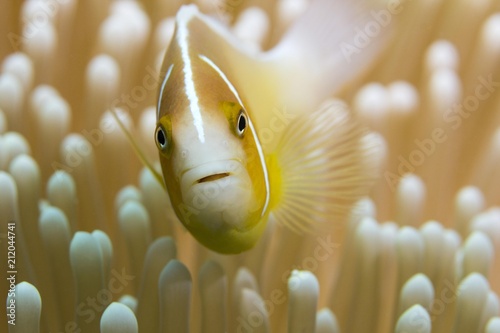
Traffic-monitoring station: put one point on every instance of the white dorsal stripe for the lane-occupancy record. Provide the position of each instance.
(160, 98)
(182, 39)
(250, 123)
(264, 167)
(222, 75)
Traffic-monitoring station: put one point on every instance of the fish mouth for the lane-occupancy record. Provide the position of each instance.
(220, 192)
(213, 177)
(211, 173)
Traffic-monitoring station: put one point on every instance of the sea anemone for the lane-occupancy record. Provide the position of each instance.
(91, 244)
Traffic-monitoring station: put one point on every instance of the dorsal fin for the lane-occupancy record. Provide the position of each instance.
(308, 65)
(325, 162)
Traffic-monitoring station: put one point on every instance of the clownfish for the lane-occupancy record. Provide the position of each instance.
(243, 134)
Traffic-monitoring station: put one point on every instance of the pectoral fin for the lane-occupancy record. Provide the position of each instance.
(323, 164)
(138, 150)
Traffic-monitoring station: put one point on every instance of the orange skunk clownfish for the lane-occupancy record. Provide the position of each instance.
(244, 134)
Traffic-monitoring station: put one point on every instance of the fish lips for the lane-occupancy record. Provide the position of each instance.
(220, 192)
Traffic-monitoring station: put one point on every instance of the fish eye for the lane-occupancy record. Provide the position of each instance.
(241, 124)
(161, 138)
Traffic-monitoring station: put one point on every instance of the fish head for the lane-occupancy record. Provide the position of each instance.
(212, 163)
